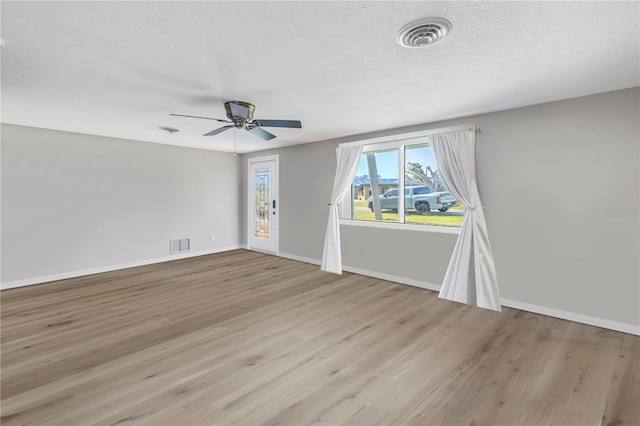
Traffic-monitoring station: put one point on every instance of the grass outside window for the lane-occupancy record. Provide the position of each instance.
(452, 218)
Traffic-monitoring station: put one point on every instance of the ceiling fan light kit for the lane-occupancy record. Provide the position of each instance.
(240, 116)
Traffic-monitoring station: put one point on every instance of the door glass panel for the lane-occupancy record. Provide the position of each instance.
(261, 181)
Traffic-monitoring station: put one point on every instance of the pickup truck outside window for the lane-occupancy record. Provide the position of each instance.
(418, 198)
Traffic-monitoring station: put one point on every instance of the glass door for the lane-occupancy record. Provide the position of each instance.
(262, 205)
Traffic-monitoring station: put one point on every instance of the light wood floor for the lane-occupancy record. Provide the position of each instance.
(247, 338)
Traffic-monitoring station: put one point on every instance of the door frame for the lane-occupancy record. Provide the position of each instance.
(276, 232)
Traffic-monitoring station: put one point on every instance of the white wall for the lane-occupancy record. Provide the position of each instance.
(74, 202)
(548, 174)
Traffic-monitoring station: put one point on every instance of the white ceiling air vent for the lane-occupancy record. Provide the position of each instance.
(423, 32)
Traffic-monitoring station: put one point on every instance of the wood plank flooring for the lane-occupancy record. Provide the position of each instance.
(246, 338)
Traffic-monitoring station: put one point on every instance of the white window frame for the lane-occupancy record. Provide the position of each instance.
(399, 142)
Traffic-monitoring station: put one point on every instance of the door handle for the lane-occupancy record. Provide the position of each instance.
(274, 203)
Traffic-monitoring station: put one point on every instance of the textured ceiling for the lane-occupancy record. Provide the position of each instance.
(119, 68)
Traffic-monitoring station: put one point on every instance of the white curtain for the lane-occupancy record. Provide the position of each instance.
(348, 158)
(471, 275)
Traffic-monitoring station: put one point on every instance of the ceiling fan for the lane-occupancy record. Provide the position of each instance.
(240, 116)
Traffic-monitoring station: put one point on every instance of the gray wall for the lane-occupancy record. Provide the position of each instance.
(72, 201)
(304, 170)
(549, 175)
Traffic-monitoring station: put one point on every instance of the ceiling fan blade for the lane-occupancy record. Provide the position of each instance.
(294, 124)
(261, 132)
(239, 110)
(220, 130)
(204, 118)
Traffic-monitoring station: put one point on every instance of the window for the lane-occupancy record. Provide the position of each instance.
(383, 166)
(377, 186)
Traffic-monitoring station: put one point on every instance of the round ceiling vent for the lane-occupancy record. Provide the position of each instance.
(423, 32)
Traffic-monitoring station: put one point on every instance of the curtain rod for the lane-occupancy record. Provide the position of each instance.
(410, 135)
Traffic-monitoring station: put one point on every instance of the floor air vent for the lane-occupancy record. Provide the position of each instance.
(178, 246)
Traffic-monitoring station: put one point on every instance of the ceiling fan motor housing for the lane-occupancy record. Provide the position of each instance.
(249, 113)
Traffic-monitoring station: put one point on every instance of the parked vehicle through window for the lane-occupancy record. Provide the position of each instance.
(377, 187)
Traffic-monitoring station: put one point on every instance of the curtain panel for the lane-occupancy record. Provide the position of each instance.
(348, 158)
(471, 275)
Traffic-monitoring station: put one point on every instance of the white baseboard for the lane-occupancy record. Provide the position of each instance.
(374, 274)
(394, 278)
(571, 316)
(543, 310)
(83, 272)
(537, 309)
(300, 258)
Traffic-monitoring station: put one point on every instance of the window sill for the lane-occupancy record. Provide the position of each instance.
(401, 226)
